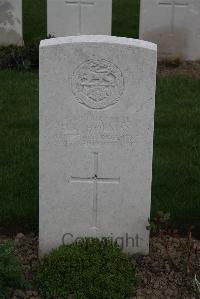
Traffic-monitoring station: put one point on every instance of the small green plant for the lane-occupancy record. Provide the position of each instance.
(22, 58)
(159, 223)
(10, 271)
(88, 269)
(25, 57)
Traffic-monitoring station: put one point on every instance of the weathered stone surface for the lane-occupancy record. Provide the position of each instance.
(97, 98)
(19, 239)
(174, 25)
(11, 22)
(74, 17)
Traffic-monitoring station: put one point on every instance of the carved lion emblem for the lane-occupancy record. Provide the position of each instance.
(97, 84)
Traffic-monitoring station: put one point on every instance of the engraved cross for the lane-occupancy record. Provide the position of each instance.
(173, 4)
(95, 180)
(80, 3)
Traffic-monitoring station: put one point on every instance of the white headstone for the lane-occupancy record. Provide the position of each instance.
(172, 24)
(74, 17)
(97, 98)
(11, 22)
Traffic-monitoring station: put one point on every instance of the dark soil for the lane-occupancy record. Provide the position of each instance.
(178, 67)
(165, 275)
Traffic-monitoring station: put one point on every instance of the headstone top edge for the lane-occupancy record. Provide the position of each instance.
(98, 39)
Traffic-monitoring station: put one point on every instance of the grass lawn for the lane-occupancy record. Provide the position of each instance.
(125, 19)
(34, 20)
(176, 166)
(19, 148)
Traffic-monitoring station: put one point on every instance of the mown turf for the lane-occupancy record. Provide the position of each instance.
(176, 166)
(34, 20)
(19, 148)
(125, 19)
(176, 171)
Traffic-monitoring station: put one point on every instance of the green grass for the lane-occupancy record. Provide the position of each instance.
(176, 166)
(125, 19)
(176, 171)
(34, 20)
(19, 148)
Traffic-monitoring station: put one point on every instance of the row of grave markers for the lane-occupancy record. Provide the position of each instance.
(172, 24)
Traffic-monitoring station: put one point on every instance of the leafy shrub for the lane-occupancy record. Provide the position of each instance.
(25, 57)
(86, 269)
(10, 270)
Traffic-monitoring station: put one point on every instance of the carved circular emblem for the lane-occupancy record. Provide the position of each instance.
(97, 84)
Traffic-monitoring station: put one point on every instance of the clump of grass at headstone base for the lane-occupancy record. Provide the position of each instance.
(90, 268)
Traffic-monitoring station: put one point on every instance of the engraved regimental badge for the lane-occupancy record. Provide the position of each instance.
(97, 84)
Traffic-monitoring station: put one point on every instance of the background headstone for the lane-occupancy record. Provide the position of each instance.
(97, 98)
(74, 17)
(11, 22)
(172, 24)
